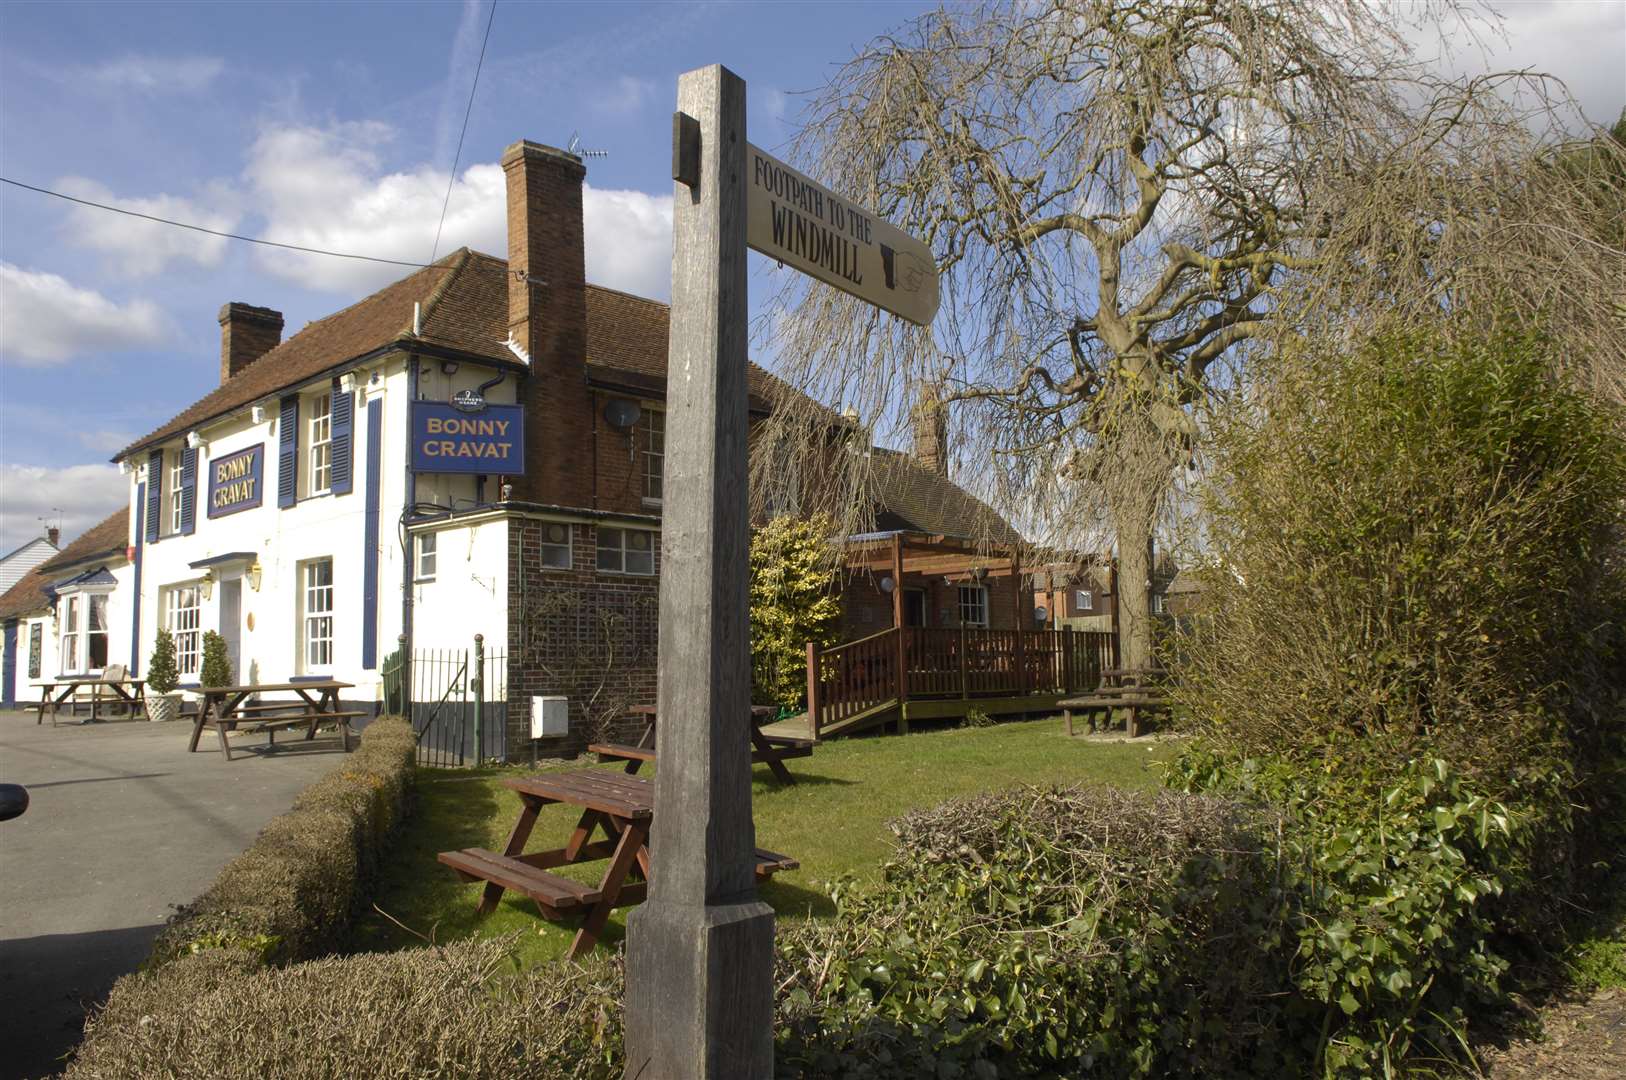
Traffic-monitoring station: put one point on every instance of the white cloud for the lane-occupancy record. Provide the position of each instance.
(78, 495)
(327, 188)
(45, 319)
(155, 74)
(1579, 43)
(624, 95)
(629, 241)
(139, 248)
(105, 440)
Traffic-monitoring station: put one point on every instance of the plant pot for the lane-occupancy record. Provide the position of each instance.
(163, 707)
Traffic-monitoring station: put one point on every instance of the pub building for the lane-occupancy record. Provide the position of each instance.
(476, 448)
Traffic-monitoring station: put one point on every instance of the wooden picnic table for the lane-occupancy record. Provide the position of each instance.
(769, 750)
(1130, 689)
(620, 805)
(315, 703)
(55, 692)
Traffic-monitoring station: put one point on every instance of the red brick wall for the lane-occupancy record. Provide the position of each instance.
(867, 610)
(580, 633)
(547, 316)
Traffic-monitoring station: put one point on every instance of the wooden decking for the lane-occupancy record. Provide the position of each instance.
(915, 673)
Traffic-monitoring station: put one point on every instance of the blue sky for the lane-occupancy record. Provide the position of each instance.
(333, 125)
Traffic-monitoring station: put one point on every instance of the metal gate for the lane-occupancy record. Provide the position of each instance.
(457, 700)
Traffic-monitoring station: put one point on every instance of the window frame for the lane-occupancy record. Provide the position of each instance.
(68, 641)
(320, 619)
(319, 446)
(93, 601)
(981, 594)
(652, 463)
(569, 546)
(172, 484)
(421, 554)
(188, 638)
(623, 549)
(36, 649)
(1084, 599)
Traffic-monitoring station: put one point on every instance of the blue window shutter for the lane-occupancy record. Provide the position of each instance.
(288, 452)
(342, 455)
(189, 490)
(369, 555)
(155, 491)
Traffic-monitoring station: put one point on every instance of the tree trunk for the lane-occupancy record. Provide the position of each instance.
(1134, 528)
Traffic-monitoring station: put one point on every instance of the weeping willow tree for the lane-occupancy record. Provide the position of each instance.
(1126, 203)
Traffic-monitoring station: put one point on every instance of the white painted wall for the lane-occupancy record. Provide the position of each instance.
(16, 565)
(333, 526)
(469, 593)
(283, 540)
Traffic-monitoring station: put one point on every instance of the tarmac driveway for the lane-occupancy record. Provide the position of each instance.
(122, 825)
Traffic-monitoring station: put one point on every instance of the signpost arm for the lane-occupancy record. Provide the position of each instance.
(700, 951)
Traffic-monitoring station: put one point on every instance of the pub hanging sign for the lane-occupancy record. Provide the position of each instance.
(235, 481)
(446, 439)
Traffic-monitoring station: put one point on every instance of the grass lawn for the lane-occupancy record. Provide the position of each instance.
(833, 820)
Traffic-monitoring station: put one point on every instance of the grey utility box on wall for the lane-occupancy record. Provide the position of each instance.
(550, 717)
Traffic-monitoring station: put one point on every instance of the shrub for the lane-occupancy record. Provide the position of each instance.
(1413, 547)
(291, 895)
(162, 676)
(1053, 934)
(216, 669)
(793, 601)
(459, 1010)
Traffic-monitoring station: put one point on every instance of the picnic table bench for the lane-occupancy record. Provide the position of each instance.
(315, 704)
(619, 805)
(54, 693)
(1121, 688)
(770, 750)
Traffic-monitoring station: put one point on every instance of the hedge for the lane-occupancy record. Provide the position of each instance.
(1114, 911)
(292, 894)
(459, 1010)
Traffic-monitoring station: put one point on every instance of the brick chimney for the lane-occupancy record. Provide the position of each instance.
(246, 334)
(931, 431)
(53, 535)
(547, 318)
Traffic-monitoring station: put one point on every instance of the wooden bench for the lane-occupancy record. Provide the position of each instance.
(558, 896)
(1104, 700)
(310, 721)
(620, 807)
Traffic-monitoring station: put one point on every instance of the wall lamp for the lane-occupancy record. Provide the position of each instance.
(254, 573)
(887, 584)
(208, 584)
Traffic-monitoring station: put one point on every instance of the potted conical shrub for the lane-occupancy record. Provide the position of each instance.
(163, 703)
(216, 664)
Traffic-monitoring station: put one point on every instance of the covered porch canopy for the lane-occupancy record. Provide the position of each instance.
(896, 555)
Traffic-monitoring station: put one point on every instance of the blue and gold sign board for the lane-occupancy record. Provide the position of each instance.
(235, 481)
(448, 440)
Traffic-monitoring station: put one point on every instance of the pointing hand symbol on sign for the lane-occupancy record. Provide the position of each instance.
(902, 270)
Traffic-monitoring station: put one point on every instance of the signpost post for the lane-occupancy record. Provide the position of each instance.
(700, 950)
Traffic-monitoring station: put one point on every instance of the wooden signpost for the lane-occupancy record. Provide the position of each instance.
(700, 950)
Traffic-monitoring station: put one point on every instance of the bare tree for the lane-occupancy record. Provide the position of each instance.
(1126, 200)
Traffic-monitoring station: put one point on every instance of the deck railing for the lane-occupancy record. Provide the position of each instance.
(896, 665)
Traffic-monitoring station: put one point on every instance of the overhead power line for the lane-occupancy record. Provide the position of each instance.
(211, 232)
(458, 156)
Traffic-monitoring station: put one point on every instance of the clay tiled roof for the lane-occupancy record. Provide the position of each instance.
(26, 596)
(364, 327)
(911, 496)
(464, 300)
(107, 538)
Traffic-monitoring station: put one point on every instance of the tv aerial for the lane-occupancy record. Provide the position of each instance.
(575, 148)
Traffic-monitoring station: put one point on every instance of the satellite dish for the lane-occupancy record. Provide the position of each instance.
(622, 413)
